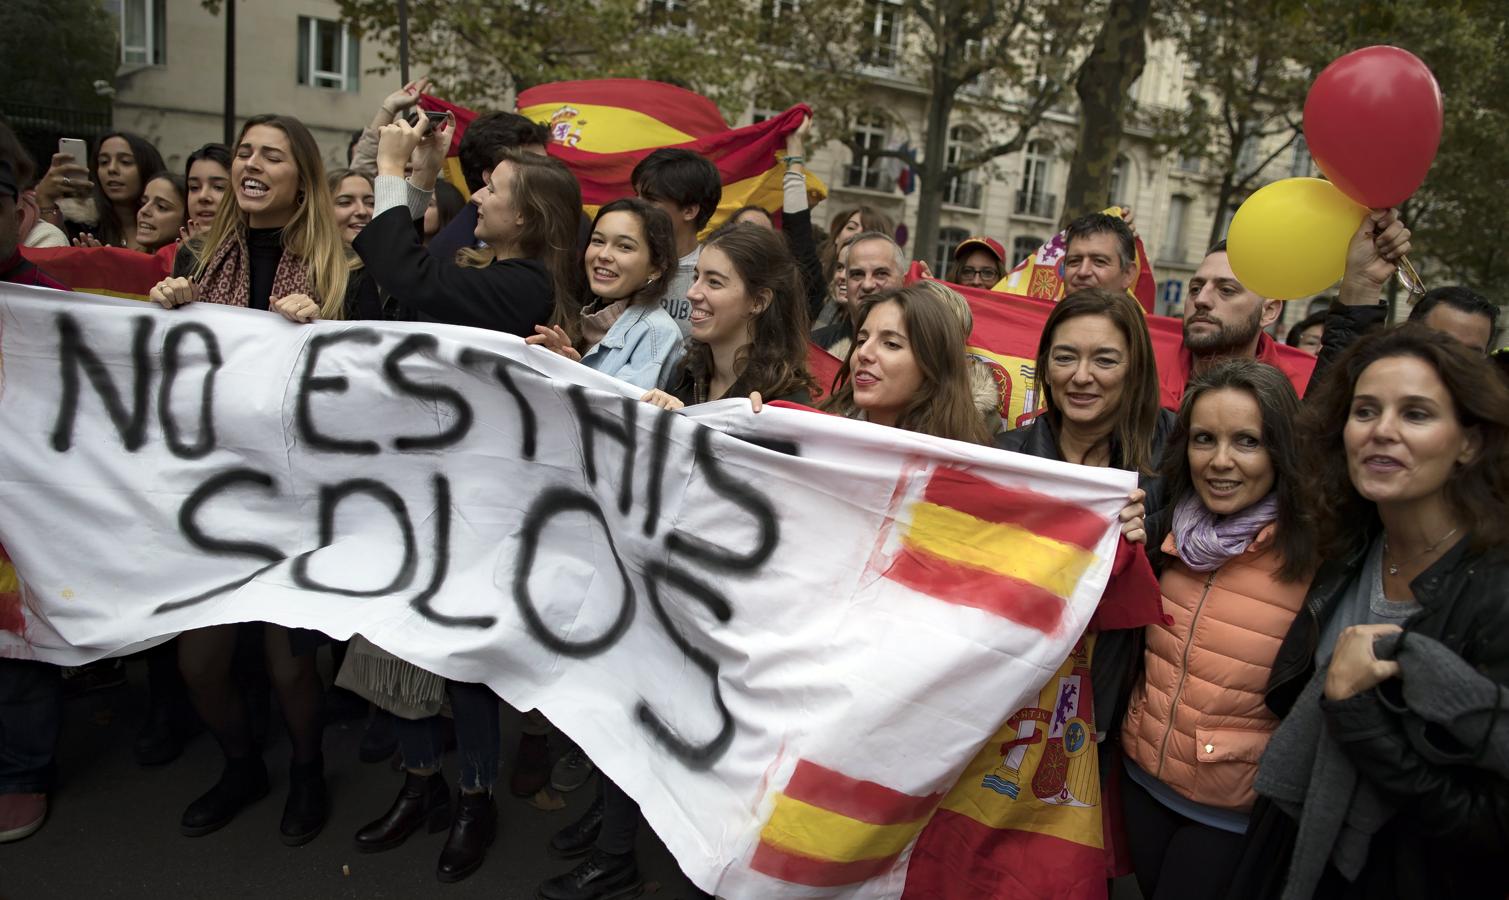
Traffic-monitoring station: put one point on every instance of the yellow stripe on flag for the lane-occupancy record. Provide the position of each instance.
(8, 580)
(814, 832)
(1008, 550)
(763, 190)
(610, 129)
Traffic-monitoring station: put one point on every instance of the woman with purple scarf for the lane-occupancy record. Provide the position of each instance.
(1235, 554)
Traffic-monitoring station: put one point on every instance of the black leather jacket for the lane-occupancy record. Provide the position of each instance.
(1451, 830)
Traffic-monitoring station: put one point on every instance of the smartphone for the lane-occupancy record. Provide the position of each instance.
(437, 119)
(76, 148)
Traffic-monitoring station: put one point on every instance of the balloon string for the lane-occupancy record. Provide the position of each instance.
(1408, 277)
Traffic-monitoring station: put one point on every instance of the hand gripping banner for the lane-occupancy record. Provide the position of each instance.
(785, 634)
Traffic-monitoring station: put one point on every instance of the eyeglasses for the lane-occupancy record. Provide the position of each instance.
(987, 274)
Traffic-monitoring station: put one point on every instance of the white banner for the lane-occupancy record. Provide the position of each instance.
(783, 633)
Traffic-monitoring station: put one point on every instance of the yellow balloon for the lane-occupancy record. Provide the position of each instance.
(1289, 239)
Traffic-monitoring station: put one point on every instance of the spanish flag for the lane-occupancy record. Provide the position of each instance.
(828, 829)
(111, 271)
(602, 128)
(1009, 551)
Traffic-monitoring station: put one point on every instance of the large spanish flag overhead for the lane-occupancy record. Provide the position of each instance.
(603, 128)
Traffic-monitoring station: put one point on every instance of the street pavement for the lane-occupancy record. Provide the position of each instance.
(113, 828)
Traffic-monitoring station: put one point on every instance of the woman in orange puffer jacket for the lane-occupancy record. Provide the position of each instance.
(1235, 565)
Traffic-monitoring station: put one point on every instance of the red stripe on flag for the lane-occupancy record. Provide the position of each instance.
(958, 858)
(824, 367)
(1010, 598)
(798, 869)
(679, 108)
(112, 269)
(865, 801)
(1038, 513)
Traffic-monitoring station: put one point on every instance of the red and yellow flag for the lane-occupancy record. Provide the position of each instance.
(1009, 551)
(111, 271)
(828, 829)
(602, 128)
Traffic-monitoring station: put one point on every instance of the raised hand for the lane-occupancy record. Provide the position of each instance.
(395, 144)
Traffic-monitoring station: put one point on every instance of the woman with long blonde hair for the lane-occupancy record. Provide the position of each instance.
(273, 244)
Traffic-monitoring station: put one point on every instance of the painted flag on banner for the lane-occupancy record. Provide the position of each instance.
(1041, 275)
(602, 128)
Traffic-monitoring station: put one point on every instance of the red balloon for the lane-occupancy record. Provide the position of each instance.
(1373, 123)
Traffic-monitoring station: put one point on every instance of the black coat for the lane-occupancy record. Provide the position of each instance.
(511, 295)
(1450, 832)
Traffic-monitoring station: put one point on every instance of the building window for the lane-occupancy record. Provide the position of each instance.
(670, 13)
(329, 55)
(948, 239)
(1120, 189)
(1173, 235)
(962, 190)
(144, 32)
(865, 171)
(1022, 248)
(1189, 163)
(1299, 166)
(1033, 199)
(881, 32)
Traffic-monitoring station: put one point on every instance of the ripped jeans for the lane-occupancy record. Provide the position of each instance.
(474, 708)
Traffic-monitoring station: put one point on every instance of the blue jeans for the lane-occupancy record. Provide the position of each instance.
(31, 715)
(474, 708)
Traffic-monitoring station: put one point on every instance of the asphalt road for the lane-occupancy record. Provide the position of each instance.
(113, 827)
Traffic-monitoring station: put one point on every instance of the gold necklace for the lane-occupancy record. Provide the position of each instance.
(1394, 569)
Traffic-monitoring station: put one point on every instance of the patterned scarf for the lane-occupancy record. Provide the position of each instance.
(1206, 541)
(227, 278)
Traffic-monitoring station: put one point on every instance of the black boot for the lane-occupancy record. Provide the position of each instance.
(423, 800)
(308, 805)
(380, 740)
(577, 838)
(159, 742)
(243, 783)
(602, 876)
(472, 832)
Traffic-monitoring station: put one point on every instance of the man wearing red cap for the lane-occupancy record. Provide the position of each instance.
(979, 262)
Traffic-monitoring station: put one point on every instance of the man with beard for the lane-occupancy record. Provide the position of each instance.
(1223, 319)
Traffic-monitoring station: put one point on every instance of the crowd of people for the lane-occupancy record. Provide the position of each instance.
(1318, 715)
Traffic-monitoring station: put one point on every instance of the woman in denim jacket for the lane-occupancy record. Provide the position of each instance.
(622, 330)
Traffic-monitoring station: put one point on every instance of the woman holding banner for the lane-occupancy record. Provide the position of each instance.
(527, 218)
(1236, 552)
(1389, 777)
(275, 246)
(749, 325)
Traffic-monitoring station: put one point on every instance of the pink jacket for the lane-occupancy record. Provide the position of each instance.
(1197, 721)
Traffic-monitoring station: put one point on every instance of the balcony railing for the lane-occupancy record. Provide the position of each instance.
(964, 193)
(1037, 204)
